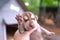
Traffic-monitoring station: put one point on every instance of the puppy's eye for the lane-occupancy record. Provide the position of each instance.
(33, 18)
(26, 20)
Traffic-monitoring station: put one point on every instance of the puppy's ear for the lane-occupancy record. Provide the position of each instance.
(36, 17)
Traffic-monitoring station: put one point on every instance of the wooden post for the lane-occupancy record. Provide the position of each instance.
(58, 14)
(22, 5)
(42, 12)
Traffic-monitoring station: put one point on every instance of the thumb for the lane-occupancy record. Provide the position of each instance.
(32, 30)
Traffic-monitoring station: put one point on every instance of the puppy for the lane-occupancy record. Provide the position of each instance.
(26, 21)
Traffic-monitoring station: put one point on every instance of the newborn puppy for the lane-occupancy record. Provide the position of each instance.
(27, 21)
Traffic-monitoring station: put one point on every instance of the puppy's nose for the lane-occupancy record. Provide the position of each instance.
(31, 24)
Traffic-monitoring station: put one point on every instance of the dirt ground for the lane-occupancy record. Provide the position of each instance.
(54, 29)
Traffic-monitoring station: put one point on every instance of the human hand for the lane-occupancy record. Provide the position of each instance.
(23, 36)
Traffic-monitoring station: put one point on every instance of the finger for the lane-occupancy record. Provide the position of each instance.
(32, 30)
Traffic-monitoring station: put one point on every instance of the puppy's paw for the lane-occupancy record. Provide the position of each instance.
(19, 19)
(51, 34)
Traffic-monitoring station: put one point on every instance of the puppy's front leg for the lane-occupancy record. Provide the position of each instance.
(46, 31)
(20, 21)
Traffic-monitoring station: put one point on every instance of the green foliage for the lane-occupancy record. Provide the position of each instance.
(50, 3)
(59, 3)
(34, 4)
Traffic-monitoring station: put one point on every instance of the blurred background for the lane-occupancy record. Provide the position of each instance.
(48, 12)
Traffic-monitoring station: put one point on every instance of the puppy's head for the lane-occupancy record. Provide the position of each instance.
(29, 20)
